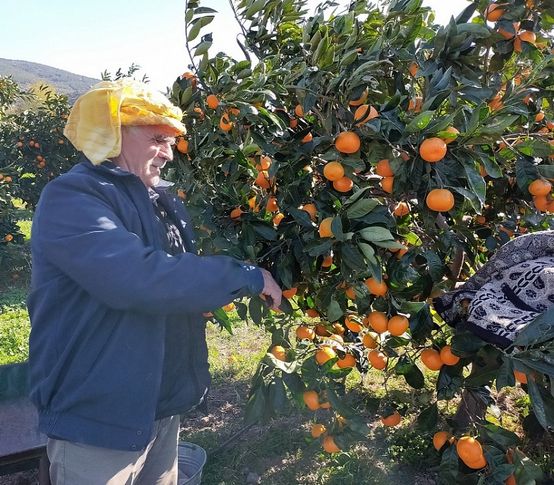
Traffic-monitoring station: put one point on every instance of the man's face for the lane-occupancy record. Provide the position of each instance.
(145, 151)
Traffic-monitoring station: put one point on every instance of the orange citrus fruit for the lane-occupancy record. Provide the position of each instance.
(183, 146)
(353, 325)
(469, 449)
(369, 342)
(271, 205)
(431, 359)
(447, 357)
(540, 187)
(347, 142)
(317, 430)
(343, 184)
(402, 209)
(378, 321)
(440, 438)
(265, 163)
(225, 124)
(290, 292)
(308, 138)
(329, 445)
(262, 179)
(311, 209)
(312, 313)
(387, 184)
(375, 287)
(398, 325)
(527, 36)
(383, 168)
(392, 420)
(347, 361)
(324, 354)
(360, 100)
(452, 130)
(304, 332)
(520, 377)
(236, 213)
(278, 218)
(365, 113)
(440, 200)
(432, 149)
(279, 352)
(212, 101)
(325, 227)
(494, 12)
(311, 400)
(333, 171)
(377, 359)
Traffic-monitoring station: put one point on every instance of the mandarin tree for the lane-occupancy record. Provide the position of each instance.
(452, 127)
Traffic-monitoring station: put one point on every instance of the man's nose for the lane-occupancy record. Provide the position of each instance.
(167, 152)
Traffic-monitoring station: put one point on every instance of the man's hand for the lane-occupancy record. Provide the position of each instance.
(271, 289)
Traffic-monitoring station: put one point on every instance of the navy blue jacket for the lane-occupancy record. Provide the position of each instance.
(117, 333)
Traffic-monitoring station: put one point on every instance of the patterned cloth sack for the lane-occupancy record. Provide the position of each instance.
(507, 293)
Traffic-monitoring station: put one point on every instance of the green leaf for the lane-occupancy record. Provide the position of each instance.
(411, 372)
(498, 125)
(376, 233)
(254, 8)
(449, 382)
(197, 25)
(334, 311)
(448, 468)
(466, 344)
(535, 148)
(320, 248)
(526, 471)
(265, 231)
(255, 309)
(278, 395)
(255, 406)
(543, 405)
(352, 257)
(478, 31)
(420, 122)
(505, 376)
(499, 435)
(428, 418)
(476, 182)
(222, 318)
(355, 196)
(526, 172)
(202, 48)
(368, 252)
(421, 324)
(538, 331)
(546, 171)
(293, 382)
(361, 208)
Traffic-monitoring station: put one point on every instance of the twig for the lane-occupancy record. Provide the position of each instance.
(231, 438)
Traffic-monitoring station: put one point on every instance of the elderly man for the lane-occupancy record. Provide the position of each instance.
(117, 346)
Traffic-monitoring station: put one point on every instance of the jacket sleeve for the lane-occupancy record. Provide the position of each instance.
(77, 231)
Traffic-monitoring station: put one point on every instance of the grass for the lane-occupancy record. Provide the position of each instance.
(14, 326)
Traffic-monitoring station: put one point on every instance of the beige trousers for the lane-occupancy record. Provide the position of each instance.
(77, 464)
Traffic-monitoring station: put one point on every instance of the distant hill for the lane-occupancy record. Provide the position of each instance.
(27, 73)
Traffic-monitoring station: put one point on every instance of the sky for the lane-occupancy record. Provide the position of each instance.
(89, 37)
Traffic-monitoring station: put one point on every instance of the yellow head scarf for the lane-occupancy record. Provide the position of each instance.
(94, 123)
